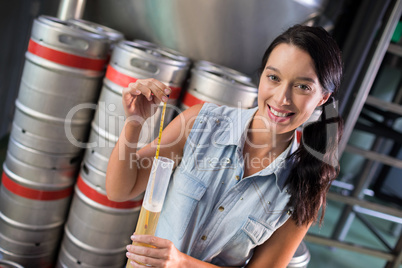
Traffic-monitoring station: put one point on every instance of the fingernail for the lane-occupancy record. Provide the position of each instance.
(167, 90)
(137, 92)
(128, 247)
(150, 98)
(133, 237)
(164, 99)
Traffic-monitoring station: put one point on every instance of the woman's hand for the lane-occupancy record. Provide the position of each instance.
(141, 99)
(162, 254)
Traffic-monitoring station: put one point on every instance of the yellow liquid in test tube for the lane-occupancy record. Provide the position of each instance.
(146, 225)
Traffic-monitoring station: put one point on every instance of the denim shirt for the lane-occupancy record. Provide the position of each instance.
(211, 212)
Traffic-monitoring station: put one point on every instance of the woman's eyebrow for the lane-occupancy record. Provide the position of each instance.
(308, 79)
(273, 69)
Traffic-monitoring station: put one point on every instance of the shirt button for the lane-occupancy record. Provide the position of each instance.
(204, 237)
(289, 212)
(221, 208)
(237, 178)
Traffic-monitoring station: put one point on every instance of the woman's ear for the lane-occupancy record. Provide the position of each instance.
(324, 99)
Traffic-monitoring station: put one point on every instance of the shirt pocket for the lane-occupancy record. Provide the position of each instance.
(239, 249)
(181, 202)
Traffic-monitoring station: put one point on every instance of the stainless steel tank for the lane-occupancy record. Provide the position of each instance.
(233, 33)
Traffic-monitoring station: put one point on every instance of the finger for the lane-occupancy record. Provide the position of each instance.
(166, 90)
(138, 88)
(130, 91)
(145, 251)
(159, 89)
(141, 261)
(151, 240)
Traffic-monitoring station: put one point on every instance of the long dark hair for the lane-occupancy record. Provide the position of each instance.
(315, 163)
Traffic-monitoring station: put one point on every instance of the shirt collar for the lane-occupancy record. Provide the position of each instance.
(236, 135)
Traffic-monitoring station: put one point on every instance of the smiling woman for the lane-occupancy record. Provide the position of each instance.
(312, 69)
(243, 192)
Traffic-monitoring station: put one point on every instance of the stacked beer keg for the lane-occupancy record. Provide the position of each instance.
(210, 82)
(97, 229)
(59, 88)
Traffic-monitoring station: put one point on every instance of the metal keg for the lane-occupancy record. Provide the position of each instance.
(25, 240)
(209, 66)
(45, 260)
(46, 133)
(40, 177)
(31, 219)
(75, 47)
(301, 258)
(42, 160)
(75, 254)
(113, 35)
(9, 264)
(100, 147)
(63, 68)
(35, 204)
(211, 82)
(94, 176)
(132, 60)
(98, 229)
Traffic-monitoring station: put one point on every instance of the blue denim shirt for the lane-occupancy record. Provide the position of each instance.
(211, 212)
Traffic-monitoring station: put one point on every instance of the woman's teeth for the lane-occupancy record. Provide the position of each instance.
(278, 113)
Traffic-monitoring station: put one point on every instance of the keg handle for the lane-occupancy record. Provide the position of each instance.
(144, 65)
(73, 41)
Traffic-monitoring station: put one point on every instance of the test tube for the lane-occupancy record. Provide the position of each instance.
(154, 197)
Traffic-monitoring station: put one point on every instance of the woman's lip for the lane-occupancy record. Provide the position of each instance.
(280, 111)
(278, 119)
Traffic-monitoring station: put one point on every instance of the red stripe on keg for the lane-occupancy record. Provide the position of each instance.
(123, 80)
(102, 199)
(190, 100)
(65, 58)
(35, 194)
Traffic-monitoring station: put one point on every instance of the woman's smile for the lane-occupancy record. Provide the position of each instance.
(278, 115)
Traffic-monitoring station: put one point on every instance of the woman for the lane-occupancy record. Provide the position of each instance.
(243, 192)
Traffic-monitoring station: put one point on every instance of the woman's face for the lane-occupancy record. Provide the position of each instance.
(289, 89)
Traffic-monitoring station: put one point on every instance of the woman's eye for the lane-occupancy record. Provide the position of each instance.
(304, 87)
(273, 78)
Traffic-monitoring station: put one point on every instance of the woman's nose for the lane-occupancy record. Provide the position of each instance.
(283, 95)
